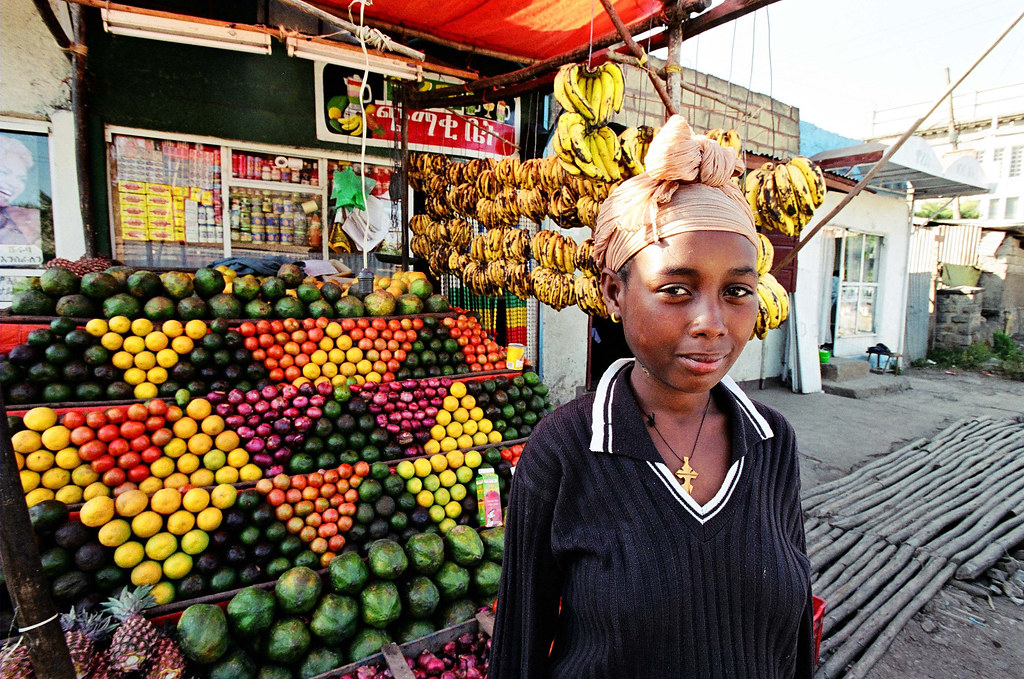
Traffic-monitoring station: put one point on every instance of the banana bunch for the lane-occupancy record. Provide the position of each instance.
(586, 210)
(471, 170)
(420, 246)
(591, 152)
(528, 173)
(784, 196)
(562, 208)
(517, 279)
(459, 233)
(554, 288)
(437, 207)
(554, 251)
(634, 142)
(584, 260)
(765, 254)
(532, 204)
(487, 184)
(457, 262)
(463, 198)
(478, 248)
(505, 170)
(352, 125)
(593, 93)
(436, 184)
(515, 245)
(497, 213)
(773, 305)
(475, 277)
(493, 249)
(552, 174)
(727, 138)
(427, 164)
(589, 297)
(420, 224)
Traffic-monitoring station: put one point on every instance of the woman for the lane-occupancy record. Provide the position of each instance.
(654, 527)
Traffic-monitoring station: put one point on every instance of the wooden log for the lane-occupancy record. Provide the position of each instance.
(882, 642)
(627, 38)
(992, 546)
(858, 574)
(974, 522)
(830, 553)
(816, 495)
(902, 564)
(850, 563)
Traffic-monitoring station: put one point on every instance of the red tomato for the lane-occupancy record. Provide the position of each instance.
(330, 515)
(308, 347)
(310, 493)
(259, 355)
(161, 437)
(488, 366)
(157, 407)
(276, 499)
(406, 323)
(299, 336)
(506, 453)
(336, 501)
(137, 412)
(308, 323)
(129, 460)
(95, 419)
(108, 433)
(363, 323)
(113, 477)
(139, 443)
(276, 375)
(92, 450)
(251, 343)
(394, 324)
(118, 447)
(151, 454)
(116, 415)
(322, 322)
(327, 530)
(292, 373)
(475, 368)
(301, 360)
(356, 334)
(103, 464)
(336, 543)
(278, 326)
(263, 327)
(388, 377)
(266, 341)
(299, 481)
(73, 419)
(248, 329)
(139, 473)
(371, 333)
(293, 495)
(315, 335)
(314, 520)
(348, 324)
(81, 435)
(132, 429)
(275, 351)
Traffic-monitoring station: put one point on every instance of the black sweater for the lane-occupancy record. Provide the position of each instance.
(650, 584)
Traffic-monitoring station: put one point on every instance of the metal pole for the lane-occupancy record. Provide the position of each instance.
(892, 150)
(327, 17)
(52, 23)
(404, 132)
(29, 590)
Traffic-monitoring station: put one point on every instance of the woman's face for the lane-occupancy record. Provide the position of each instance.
(688, 306)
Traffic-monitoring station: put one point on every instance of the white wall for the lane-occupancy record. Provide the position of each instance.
(33, 69)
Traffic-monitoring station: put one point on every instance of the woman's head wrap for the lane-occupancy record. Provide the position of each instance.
(686, 187)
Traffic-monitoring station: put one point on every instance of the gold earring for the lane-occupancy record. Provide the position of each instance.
(615, 318)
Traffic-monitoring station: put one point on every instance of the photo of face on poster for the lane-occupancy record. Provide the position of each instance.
(25, 209)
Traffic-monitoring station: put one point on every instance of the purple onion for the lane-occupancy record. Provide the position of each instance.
(430, 392)
(244, 409)
(414, 407)
(272, 414)
(418, 394)
(289, 391)
(382, 420)
(421, 437)
(433, 382)
(253, 396)
(415, 425)
(414, 450)
(419, 415)
(236, 396)
(282, 455)
(325, 389)
(380, 399)
(307, 389)
(429, 422)
(430, 410)
(393, 429)
(441, 392)
(264, 429)
(368, 387)
(406, 415)
(298, 439)
(216, 397)
(446, 382)
(282, 425)
(291, 411)
(269, 392)
(317, 400)
(254, 421)
(374, 408)
(409, 384)
(300, 401)
(274, 441)
(262, 460)
(389, 407)
(279, 403)
(314, 412)
(394, 417)
(275, 470)
(261, 406)
(233, 422)
(303, 423)
(245, 433)
(406, 397)
(254, 445)
(224, 409)
(437, 402)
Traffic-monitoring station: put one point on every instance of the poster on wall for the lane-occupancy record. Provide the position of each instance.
(26, 208)
(489, 129)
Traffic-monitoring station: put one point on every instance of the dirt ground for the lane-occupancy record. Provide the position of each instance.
(956, 635)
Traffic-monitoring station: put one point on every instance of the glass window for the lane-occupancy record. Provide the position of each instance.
(993, 208)
(1012, 207)
(26, 204)
(997, 162)
(858, 283)
(1015, 160)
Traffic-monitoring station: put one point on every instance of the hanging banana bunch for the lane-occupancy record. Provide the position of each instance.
(594, 93)
(591, 152)
(554, 251)
(506, 170)
(728, 138)
(586, 210)
(784, 196)
(589, 297)
(554, 288)
(634, 142)
(584, 260)
(532, 204)
(772, 298)
(515, 245)
(517, 279)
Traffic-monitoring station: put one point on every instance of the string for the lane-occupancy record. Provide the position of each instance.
(22, 630)
(750, 83)
(728, 92)
(590, 54)
(364, 86)
(771, 79)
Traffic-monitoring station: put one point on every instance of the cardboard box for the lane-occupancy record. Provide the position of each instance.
(158, 190)
(159, 201)
(179, 231)
(162, 224)
(129, 186)
(134, 228)
(132, 212)
(161, 234)
(179, 204)
(138, 199)
(207, 198)
(195, 193)
(164, 213)
(181, 192)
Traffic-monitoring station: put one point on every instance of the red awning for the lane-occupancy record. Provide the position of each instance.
(535, 29)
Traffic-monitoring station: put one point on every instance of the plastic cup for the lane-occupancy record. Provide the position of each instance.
(514, 356)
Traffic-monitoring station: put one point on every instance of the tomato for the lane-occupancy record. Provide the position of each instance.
(299, 336)
(336, 501)
(248, 329)
(388, 377)
(380, 344)
(251, 343)
(316, 479)
(308, 534)
(137, 412)
(278, 326)
(92, 450)
(475, 340)
(263, 326)
(316, 334)
(336, 543)
(129, 460)
(361, 468)
(267, 341)
(400, 355)
(276, 375)
(282, 481)
(351, 495)
(406, 323)
(139, 473)
(371, 333)
(314, 520)
(347, 509)
(81, 435)
(103, 464)
(282, 337)
(455, 333)
(275, 498)
(322, 322)
(345, 523)
(151, 454)
(139, 443)
(488, 366)
(264, 486)
(410, 336)
(299, 481)
(113, 477)
(270, 363)
(500, 365)
(330, 515)
(363, 323)
(365, 344)
(308, 347)
(131, 429)
(108, 433)
(492, 357)
(157, 407)
(116, 415)
(293, 495)
(286, 361)
(310, 493)
(356, 334)
(475, 368)
(259, 355)
(327, 530)
(348, 324)
(301, 360)
(393, 365)
(448, 321)
(275, 351)
(292, 348)
(95, 419)
(308, 323)
(73, 419)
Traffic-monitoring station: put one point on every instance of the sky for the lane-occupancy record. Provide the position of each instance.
(839, 61)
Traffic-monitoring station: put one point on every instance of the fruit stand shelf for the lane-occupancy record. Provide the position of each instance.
(277, 186)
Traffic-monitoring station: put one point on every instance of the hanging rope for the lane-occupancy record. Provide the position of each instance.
(363, 87)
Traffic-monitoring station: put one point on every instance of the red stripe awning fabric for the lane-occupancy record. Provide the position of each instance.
(534, 30)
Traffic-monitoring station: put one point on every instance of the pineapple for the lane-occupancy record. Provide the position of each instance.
(168, 661)
(82, 631)
(14, 661)
(135, 642)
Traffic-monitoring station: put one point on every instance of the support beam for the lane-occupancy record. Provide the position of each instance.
(403, 101)
(380, 41)
(50, 19)
(729, 10)
(659, 85)
(79, 107)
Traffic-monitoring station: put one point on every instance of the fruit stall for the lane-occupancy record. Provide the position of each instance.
(234, 475)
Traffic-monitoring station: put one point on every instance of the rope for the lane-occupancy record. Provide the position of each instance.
(362, 111)
(22, 630)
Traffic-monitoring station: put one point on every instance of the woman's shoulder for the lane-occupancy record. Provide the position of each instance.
(776, 420)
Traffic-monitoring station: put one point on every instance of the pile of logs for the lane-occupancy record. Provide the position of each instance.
(886, 538)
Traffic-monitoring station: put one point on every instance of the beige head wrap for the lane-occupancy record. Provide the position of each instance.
(686, 187)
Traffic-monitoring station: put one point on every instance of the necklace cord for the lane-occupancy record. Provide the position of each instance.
(700, 427)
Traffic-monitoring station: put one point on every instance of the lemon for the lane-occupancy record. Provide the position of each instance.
(67, 459)
(443, 418)
(446, 524)
(436, 513)
(167, 358)
(454, 429)
(473, 459)
(155, 341)
(479, 439)
(19, 461)
(111, 341)
(200, 444)
(213, 425)
(333, 330)
(209, 519)
(237, 457)
(458, 492)
(198, 408)
(328, 370)
(97, 511)
(146, 573)
(185, 428)
(172, 328)
(142, 327)
(448, 443)
(414, 485)
(161, 546)
(422, 467)
(464, 441)
(146, 390)
(69, 495)
(96, 327)
(223, 496)
(201, 477)
(114, 533)
(424, 498)
(134, 345)
(162, 468)
(196, 500)
(134, 376)
(458, 389)
(182, 345)
(447, 478)
(147, 524)
(460, 415)
(176, 480)
(405, 469)
(120, 324)
(39, 461)
(432, 446)
(441, 496)
(40, 419)
(177, 565)
(123, 360)
(26, 441)
(145, 360)
(151, 484)
(163, 593)
(494, 437)
(319, 357)
(38, 495)
(467, 402)
(336, 356)
(195, 329)
(325, 344)
(180, 522)
(250, 472)
(56, 438)
(55, 478)
(175, 448)
(156, 375)
(450, 403)
(484, 425)
(165, 501)
(195, 542)
(131, 503)
(476, 414)
(438, 463)
(452, 510)
(188, 464)
(95, 489)
(226, 475)
(129, 555)
(83, 475)
(469, 427)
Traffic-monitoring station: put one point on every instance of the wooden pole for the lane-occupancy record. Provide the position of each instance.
(52, 23)
(403, 98)
(779, 266)
(673, 64)
(386, 43)
(79, 106)
(26, 584)
(638, 52)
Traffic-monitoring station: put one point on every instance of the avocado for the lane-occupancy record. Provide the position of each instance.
(121, 273)
(246, 288)
(349, 307)
(320, 308)
(121, 304)
(331, 292)
(25, 284)
(32, 303)
(208, 282)
(436, 304)
(159, 309)
(89, 391)
(144, 285)
(225, 305)
(291, 275)
(178, 285)
(408, 304)
(257, 308)
(62, 326)
(289, 307)
(308, 293)
(24, 392)
(192, 308)
(75, 306)
(40, 337)
(100, 286)
(272, 289)
(90, 557)
(58, 282)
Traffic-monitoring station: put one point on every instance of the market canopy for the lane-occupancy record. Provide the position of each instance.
(915, 163)
(527, 29)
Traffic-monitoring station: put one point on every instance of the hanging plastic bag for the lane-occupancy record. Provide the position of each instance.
(368, 228)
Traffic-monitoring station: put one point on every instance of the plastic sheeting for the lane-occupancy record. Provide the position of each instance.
(534, 30)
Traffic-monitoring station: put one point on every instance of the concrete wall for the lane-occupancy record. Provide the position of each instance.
(1001, 259)
(958, 322)
(33, 69)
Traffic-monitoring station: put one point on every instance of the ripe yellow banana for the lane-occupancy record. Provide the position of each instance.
(784, 192)
(815, 178)
(801, 191)
(765, 254)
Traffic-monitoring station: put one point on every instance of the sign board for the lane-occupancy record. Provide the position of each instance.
(491, 129)
(26, 211)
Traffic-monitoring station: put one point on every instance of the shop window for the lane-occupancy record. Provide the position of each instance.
(1012, 208)
(858, 257)
(1015, 161)
(993, 209)
(997, 163)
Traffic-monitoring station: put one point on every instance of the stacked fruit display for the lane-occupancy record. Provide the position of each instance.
(318, 624)
(784, 196)
(468, 657)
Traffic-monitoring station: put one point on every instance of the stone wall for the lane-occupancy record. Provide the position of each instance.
(1001, 259)
(958, 319)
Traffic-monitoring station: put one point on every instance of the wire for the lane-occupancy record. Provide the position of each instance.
(590, 54)
(362, 112)
(728, 81)
(771, 79)
(750, 83)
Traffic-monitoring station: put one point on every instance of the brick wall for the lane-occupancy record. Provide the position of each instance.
(958, 319)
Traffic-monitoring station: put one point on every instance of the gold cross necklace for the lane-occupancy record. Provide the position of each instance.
(686, 474)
